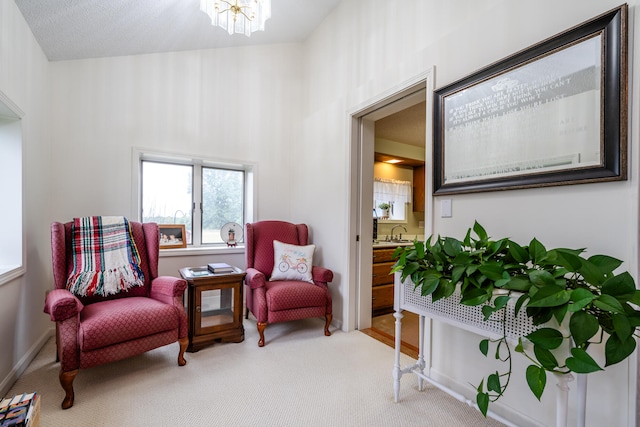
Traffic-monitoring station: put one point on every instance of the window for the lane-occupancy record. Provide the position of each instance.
(222, 201)
(11, 249)
(201, 194)
(396, 194)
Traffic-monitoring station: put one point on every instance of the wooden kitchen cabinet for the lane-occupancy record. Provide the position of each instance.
(382, 281)
(418, 188)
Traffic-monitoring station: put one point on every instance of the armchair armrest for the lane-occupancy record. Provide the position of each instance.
(255, 278)
(60, 304)
(166, 288)
(321, 274)
(169, 290)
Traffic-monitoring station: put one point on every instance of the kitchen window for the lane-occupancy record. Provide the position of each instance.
(396, 194)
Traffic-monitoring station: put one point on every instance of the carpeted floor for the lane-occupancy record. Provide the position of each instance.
(299, 378)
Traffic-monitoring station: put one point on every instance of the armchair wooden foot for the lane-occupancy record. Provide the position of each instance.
(66, 381)
(261, 328)
(184, 342)
(327, 323)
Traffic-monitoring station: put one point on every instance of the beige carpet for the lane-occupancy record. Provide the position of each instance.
(300, 378)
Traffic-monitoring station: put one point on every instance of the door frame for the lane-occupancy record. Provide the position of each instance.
(362, 119)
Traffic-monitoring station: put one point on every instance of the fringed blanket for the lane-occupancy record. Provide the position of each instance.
(105, 258)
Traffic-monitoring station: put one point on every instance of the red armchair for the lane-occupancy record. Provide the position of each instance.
(282, 300)
(95, 330)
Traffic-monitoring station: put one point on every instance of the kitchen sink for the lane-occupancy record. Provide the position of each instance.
(391, 242)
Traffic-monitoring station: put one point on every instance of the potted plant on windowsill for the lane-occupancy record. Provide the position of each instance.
(385, 210)
(575, 301)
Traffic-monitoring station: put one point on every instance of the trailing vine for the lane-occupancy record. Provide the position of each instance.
(574, 301)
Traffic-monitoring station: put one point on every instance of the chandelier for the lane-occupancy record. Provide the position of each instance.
(238, 16)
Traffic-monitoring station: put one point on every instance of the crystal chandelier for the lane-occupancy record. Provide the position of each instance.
(238, 16)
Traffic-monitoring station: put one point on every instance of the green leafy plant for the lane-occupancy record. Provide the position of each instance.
(574, 301)
(384, 206)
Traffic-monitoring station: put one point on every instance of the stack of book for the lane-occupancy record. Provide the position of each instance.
(220, 268)
(22, 410)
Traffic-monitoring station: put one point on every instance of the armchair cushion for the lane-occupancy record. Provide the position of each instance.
(120, 320)
(288, 295)
(292, 262)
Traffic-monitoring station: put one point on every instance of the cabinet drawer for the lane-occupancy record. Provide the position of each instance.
(380, 274)
(382, 297)
(383, 255)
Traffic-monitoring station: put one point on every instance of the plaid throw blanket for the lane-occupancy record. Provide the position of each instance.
(105, 258)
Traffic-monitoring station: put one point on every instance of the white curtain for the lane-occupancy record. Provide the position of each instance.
(396, 193)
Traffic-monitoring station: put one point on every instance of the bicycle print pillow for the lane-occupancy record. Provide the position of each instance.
(292, 262)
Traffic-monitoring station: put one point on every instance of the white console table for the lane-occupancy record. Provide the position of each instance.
(470, 318)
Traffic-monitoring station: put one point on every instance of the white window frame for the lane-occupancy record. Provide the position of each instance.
(13, 259)
(250, 169)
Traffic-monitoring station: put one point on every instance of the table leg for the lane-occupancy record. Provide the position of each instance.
(562, 399)
(421, 364)
(397, 371)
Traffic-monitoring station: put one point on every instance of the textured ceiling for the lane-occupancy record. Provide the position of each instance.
(80, 29)
(407, 126)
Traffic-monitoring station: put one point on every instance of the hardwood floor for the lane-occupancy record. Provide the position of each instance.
(383, 329)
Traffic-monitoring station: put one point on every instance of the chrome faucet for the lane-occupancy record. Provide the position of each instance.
(399, 235)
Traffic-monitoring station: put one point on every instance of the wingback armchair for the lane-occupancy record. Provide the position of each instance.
(273, 301)
(93, 330)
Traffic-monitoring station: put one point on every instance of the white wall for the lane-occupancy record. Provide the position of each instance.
(231, 104)
(368, 47)
(84, 117)
(240, 105)
(24, 80)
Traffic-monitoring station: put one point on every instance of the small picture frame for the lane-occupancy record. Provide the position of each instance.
(172, 236)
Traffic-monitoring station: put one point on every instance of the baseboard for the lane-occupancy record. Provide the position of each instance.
(24, 362)
(507, 412)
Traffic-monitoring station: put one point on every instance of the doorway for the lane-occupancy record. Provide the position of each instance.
(363, 151)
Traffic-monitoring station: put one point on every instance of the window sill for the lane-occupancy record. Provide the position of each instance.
(202, 250)
(10, 272)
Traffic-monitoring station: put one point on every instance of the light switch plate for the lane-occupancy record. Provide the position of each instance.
(445, 208)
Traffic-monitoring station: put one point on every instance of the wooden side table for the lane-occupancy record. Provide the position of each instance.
(214, 306)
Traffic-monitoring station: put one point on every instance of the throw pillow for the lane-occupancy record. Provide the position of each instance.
(292, 262)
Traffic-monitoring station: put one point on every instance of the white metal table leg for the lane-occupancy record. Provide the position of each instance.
(421, 364)
(562, 399)
(582, 399)
(397, 371)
